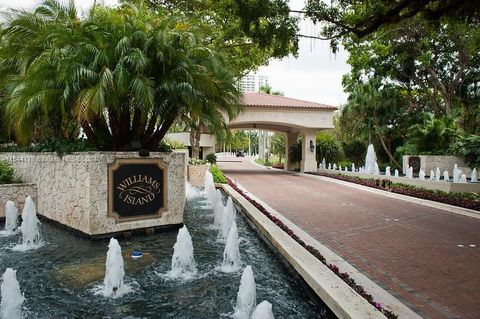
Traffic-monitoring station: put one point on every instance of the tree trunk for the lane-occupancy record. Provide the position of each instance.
(154, 140)
(195, 135)
(390, 156)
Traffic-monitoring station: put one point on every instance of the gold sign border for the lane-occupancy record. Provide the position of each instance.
(121, 161)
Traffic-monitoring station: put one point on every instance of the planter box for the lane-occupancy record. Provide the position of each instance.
(431, 162)
(16, 193)
(196, 174)
(74, 190)
(447, 187)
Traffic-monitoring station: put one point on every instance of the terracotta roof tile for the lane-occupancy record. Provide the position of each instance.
(267, 100)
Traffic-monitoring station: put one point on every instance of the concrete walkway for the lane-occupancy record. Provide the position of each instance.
(428, 258)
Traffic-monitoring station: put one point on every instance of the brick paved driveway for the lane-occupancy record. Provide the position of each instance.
(408, 249)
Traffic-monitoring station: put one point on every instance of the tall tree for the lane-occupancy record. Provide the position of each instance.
(377, 112)
(361, 18)
(248, 32)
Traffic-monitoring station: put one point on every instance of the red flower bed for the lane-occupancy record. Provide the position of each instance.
(343, 275)
(460, 200)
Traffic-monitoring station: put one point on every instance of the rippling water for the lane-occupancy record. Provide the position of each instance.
(60, 279)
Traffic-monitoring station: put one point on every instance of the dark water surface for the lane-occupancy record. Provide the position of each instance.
(59, 279)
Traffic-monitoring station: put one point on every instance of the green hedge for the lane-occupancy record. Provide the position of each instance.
(218, 176)
(62, 147)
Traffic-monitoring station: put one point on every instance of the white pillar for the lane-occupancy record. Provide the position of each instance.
(290, 140)
(309, 161)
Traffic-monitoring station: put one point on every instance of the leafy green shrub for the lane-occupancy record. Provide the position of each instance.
(196, 161)
(211, 158)
(328, 148)
(344, 163)
(434, 135)
(218, 176)
(406, 149)
(163, 147)
(6, 173)
(174, 144)
(468, 147)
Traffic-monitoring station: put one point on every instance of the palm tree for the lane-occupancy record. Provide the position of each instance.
(220, 102)
(123, 74)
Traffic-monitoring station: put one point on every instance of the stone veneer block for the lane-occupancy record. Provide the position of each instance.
(196, 174)
(73, 190)
(16, 193)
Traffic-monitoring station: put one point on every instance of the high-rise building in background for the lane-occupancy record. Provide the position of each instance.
(252, 82)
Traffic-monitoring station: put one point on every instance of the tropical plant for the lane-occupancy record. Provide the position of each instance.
(435, 134)
(6, 173)
(219, 104)
(278, 145)
(174, 144)
(328, 148)
(267, 89)
(468, 147)
(123, 74)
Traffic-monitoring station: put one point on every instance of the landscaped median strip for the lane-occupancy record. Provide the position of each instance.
(341, 296)
(408, 190)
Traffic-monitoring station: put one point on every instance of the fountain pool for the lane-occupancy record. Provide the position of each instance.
(59, 279)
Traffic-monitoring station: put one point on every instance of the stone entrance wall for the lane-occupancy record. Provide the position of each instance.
(16, 193)
(431, 162)
(73, 189)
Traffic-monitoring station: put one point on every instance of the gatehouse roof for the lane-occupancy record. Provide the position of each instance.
(251, 99)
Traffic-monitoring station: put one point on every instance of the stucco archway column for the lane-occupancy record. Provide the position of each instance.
(290, 140)
(309, 161)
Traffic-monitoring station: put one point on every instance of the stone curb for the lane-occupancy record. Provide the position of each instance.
(336, 294)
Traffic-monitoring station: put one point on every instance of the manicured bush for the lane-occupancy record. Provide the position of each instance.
(6, 173)
(211, 158)
(218, 176)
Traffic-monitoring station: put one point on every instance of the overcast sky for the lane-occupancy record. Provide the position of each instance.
(316, 75)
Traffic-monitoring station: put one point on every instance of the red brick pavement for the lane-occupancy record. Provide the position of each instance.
(408, 249)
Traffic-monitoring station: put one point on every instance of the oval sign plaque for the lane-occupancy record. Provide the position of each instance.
(137, 188)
